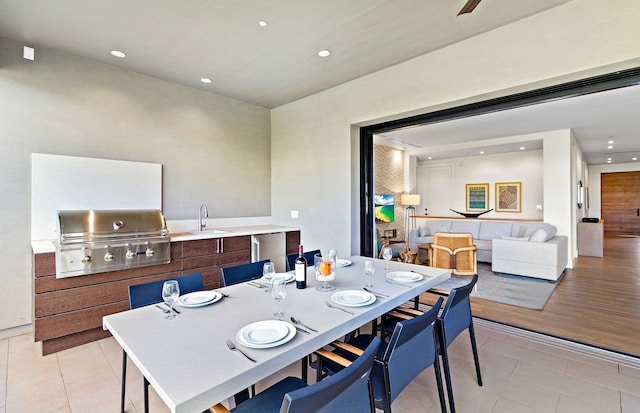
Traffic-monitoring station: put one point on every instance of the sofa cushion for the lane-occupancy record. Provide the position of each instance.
(491, 230)
(470, 227)
(542, 235)
(422, 232)
(438, 225)
(527, 229)
(482, 244)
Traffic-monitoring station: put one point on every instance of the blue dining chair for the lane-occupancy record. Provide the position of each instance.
(242, 273)
(291, 259)
(141, 295)
(348, 391)
(411, 349)
(454, 319)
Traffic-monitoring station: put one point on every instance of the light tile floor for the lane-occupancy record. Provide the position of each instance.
(520, 375)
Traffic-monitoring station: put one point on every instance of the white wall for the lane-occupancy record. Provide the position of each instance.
(314, 139)
(213, 150)
(525, 167)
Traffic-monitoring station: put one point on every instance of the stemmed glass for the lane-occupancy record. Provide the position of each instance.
(387, 254)
(279, 292)
(268, 271)
(170, 293)
(369, 269)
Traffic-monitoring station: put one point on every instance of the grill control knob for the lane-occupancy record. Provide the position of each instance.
(150, 252)
(130, 254)
(86, 259)
(109, 256)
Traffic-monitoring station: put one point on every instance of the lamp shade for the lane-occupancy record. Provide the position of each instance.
(410, 199)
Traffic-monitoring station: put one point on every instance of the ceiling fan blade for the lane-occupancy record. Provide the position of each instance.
(468, 8)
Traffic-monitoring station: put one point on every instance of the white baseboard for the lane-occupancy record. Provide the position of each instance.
(16, 331)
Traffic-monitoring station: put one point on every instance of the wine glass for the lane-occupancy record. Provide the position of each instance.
(387, 254)
(325, 271)
(268, 271)
(170, 293)
(279, 292)
(369, 269)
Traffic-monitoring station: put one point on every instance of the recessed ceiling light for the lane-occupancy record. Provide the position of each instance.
(324, 53)
(481, 152)
(429, 157)
(118, 53)
(610, 142)
(610, 147)
(205, 80)
(263, 23)
(522, 148)
(609, 161)
(634, 159)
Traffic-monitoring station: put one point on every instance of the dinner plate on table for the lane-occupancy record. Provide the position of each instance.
(340, 262)
(404, 276)
(353, 298)
(286, 276)
(198, 298)
(266, 334)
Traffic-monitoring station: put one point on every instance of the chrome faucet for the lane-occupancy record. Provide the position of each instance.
(202, 213)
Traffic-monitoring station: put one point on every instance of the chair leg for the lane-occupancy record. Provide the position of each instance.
(146, 394)
(436, 368)
(124, 380)
(474, 348)
(447, 375)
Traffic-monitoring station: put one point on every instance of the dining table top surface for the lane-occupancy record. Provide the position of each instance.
(187, 360)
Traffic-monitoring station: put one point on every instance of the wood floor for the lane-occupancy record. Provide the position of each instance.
(597, 302)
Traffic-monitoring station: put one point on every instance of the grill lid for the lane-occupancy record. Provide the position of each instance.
(95, 225)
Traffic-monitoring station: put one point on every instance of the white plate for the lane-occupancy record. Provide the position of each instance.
(265, 332)
(353, 298)
(286, 276)
(267, 328)
(342, 262)
(404, 276)
(198, 298)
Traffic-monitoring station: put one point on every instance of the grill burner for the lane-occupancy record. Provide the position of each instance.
(97, 241)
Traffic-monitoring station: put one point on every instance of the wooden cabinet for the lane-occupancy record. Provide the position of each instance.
(68, 311)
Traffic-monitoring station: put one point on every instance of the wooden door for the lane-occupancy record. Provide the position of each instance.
(620, 194)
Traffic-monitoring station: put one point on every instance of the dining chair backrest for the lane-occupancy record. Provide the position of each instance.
(151, 293)
(411, 349)
(456, 314)
(347, 391)
(242, 273)
(291, 259)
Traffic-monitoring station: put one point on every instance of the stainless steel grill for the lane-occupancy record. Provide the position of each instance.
(93, 241)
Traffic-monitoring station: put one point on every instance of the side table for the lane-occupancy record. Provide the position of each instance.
(423, 253)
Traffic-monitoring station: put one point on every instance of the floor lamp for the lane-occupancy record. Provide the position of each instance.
(410, 201)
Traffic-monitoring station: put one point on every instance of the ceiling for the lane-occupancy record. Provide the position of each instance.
(595, 119)
(184, 41)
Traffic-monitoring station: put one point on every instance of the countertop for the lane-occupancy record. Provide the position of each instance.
(44, 246)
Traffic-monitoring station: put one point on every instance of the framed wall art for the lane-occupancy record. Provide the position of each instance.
(508, 197)
(385, 207)
(477, 197)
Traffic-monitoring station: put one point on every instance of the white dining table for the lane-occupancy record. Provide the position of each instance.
(188, 363)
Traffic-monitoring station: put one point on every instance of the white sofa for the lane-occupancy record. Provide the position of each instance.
(530, 249)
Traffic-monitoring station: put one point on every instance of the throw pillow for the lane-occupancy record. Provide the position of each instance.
(539, 235)
(515, 238)
(422, 232)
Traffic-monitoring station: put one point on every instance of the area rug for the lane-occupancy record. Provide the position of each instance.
(509, 289)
